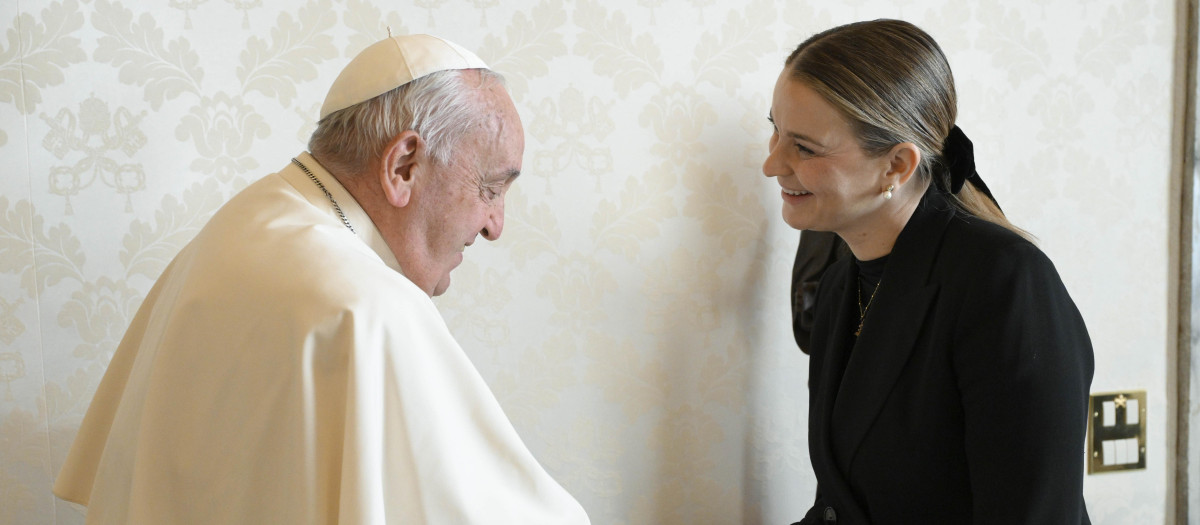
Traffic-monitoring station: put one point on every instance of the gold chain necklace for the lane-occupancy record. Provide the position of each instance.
(862, 310)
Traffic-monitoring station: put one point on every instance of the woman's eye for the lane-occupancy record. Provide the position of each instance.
(804, 150)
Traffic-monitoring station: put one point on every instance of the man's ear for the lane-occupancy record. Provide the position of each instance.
(903, 160)
(398, 167)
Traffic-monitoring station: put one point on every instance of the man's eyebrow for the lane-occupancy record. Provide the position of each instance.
(502, 176)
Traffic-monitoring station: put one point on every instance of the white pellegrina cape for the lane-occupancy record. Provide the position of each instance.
(283, 370)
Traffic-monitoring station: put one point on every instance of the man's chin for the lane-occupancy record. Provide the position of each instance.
(441, 286)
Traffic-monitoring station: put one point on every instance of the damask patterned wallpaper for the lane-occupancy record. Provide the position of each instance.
(633, 321)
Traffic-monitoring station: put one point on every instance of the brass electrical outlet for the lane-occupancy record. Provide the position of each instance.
(1117, 431)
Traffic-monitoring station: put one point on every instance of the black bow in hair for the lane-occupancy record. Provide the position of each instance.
(960, 159)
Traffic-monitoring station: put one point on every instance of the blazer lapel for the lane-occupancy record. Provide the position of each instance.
(831, 362)
(890, 329)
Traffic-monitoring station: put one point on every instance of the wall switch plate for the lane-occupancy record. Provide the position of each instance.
(1117, 431)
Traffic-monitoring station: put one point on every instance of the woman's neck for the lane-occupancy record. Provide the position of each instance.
(876, 238)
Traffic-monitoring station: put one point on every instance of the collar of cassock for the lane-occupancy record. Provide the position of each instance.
(364, 228)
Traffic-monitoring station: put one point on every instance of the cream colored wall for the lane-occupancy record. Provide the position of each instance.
(633, 320)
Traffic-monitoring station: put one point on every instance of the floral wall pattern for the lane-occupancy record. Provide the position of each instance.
(633, 321)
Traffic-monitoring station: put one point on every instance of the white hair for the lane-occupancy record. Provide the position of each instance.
(439, 106)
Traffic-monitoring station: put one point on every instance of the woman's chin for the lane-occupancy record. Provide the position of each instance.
(799, 223)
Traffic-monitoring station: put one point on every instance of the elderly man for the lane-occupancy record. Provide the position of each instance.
(289, 366)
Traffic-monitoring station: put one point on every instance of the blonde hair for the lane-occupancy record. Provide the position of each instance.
(439, 106)
(892, 82)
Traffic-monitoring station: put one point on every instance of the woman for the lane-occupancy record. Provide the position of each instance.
(949, 368)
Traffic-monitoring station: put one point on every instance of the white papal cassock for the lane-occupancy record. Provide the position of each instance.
(283, 370)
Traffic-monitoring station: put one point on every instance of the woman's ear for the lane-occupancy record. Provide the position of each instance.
(903, 160)
(399, 167)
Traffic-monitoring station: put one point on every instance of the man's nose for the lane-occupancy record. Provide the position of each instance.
(495, 224)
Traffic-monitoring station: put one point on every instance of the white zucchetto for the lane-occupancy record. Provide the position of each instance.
(394, 62)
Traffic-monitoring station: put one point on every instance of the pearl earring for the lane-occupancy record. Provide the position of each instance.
(887, 193)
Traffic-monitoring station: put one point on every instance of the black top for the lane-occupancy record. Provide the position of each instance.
(869, 274)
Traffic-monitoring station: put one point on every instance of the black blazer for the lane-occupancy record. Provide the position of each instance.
(964, 399)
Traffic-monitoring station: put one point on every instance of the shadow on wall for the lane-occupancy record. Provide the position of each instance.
(707, 314)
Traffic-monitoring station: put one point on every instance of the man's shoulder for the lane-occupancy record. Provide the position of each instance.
(271, 240)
